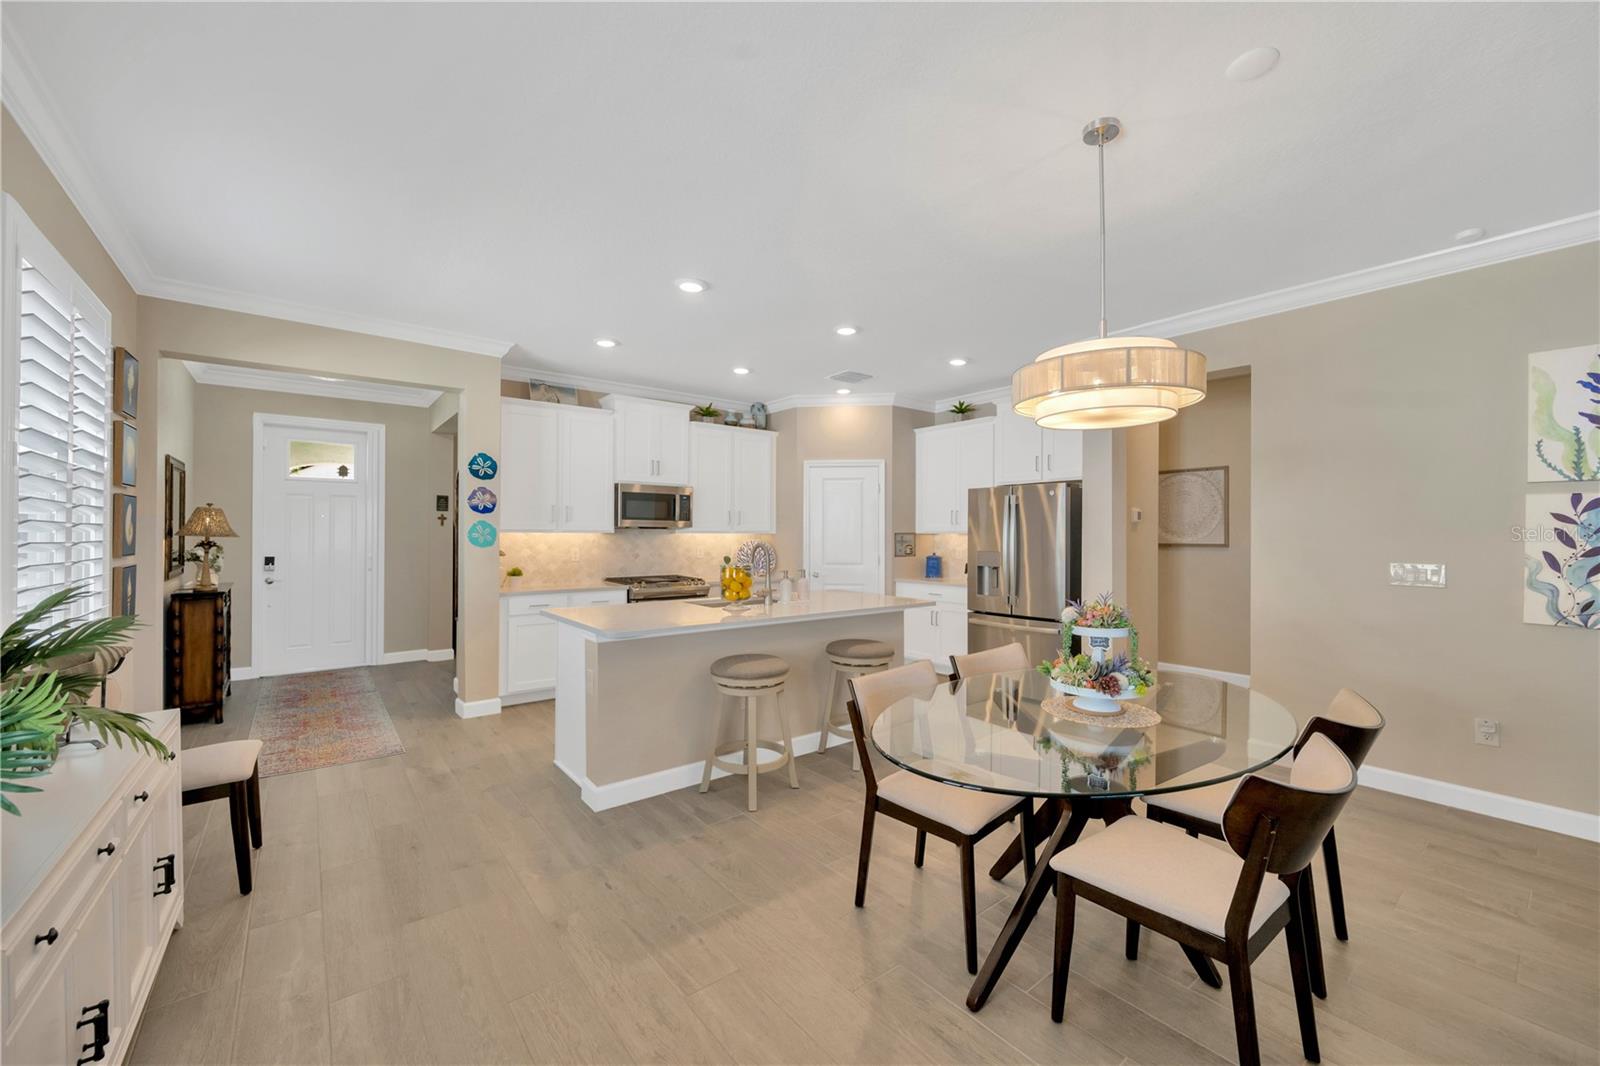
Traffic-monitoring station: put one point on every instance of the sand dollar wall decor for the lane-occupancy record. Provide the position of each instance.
(481, 534)
(1194, 507)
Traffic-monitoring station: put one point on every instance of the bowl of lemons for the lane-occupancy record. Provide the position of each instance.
(736, 585)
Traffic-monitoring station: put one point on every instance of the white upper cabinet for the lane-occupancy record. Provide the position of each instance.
(652, 440)
(1023, 452)
(530, 468)
(734, 475)
(952, 459)
(556, 468)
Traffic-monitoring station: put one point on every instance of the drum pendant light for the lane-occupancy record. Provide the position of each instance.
(1108, 382)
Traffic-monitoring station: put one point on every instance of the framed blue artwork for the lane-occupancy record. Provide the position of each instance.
(483, 467)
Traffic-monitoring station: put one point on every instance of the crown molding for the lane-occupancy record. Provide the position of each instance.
(288, 311)
(855, 399)
(21, 93)
(608, 387)
(242, 377)
(1549, 237)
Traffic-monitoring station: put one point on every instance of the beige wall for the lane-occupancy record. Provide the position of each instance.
(209, 335)
(845, 432)
(24, 177)
(417, 467)
(1391, 427)
(1202, 586)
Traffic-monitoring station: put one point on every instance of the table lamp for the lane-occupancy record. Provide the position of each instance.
(206, 523)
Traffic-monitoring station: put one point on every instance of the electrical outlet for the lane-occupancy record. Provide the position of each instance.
(1486, 731)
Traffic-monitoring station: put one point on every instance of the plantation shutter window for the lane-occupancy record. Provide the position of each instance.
(57, 370)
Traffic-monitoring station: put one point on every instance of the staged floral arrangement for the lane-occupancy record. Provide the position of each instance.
(1097, 678)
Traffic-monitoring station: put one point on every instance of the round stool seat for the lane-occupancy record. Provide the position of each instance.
(750, 669)
(860, 648)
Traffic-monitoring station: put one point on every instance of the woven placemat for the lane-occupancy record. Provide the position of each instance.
(1131, 716)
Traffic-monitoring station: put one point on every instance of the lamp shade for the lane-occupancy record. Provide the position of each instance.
(1109, 382)
(208, 522)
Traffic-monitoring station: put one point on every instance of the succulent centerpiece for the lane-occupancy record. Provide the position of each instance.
(1098, 679)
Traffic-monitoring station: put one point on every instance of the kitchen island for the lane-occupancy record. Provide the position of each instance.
(635, 706)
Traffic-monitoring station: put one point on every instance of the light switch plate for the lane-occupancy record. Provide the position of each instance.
(1417, 575)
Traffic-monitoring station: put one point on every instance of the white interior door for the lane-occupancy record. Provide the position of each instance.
(844, 525)
(316, 544)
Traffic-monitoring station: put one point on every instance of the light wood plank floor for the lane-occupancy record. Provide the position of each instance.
(458, 904)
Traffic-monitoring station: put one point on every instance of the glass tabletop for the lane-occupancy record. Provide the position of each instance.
(992, 732)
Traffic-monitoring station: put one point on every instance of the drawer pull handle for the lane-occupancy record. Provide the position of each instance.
(99, 1016)
(48, 938)
(166, 866)
(142, 797)
(109, 849)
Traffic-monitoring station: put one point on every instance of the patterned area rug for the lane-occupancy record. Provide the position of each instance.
(326, 719)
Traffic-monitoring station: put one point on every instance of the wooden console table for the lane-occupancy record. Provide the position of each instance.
(199, 649)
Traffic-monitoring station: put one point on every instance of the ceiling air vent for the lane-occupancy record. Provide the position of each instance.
(849, 377)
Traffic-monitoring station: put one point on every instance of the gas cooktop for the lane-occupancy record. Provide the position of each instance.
(662, 586)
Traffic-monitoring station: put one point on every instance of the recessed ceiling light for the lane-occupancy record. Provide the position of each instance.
(958, 362)
(741, 370)
(692, 285)
(1252, 64)
(842, 392)
(1474, 233)
(846, 331)
(604, 342)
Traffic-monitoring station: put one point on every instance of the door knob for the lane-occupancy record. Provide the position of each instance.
(269, 580)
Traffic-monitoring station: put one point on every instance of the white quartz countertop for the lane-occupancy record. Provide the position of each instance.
(522, 586)
(673, 618)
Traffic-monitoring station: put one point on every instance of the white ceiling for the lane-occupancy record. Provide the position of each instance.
(542, 174)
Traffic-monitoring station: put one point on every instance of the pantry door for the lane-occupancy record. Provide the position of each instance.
(844, 525)
(316, 561)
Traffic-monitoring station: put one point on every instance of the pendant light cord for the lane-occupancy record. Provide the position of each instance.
(1100, 150)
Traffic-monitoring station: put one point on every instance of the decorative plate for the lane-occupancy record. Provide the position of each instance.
(481, 534)
(483, 467)
(482, 500)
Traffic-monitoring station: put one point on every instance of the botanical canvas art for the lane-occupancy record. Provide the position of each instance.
(1561, 560)
(1564, 415)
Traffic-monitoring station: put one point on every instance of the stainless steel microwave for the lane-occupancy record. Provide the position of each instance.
(654, 506)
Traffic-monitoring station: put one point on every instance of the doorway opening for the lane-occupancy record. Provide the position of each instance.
(317, 536)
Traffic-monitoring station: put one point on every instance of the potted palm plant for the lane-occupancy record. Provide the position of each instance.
(40, 699)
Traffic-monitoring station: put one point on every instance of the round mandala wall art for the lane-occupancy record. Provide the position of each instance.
(483, 467)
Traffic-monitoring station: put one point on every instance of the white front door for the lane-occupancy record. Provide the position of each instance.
(844, 525)
(314, 564)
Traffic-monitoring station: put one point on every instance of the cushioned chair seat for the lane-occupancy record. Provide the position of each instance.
(962, 809)
(1160, 867)
(749, 668)
(218, 764)
(859, 648)
(1206, 804)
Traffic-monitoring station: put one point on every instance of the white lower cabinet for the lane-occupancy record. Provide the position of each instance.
(86, 925)
(935, 633)
(528, 640)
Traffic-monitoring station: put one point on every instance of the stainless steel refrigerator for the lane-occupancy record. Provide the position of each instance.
(1024, 562)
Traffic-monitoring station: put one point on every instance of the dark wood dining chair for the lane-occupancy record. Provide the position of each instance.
(228, 770)
(960, 815)
(1353, 724)
(1221, 905)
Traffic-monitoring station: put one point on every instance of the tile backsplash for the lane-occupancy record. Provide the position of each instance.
(952, 548)
(584, 558)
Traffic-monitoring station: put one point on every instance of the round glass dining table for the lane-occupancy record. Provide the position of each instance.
(997, 733)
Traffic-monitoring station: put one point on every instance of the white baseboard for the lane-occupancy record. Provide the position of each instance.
(477, 708)
(1561, 820)
(417, 655)
(634, 789)
(1242, 680)
(243, 673)
(533, 695)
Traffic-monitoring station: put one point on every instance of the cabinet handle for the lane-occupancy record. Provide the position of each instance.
(1036, 464)
(48, 938)
(1049, 462)
(552, 514)
(167, 867)
(141, 797)
(109, 849)
(97, 1015)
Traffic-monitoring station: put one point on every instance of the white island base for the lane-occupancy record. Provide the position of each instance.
(635, 705)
